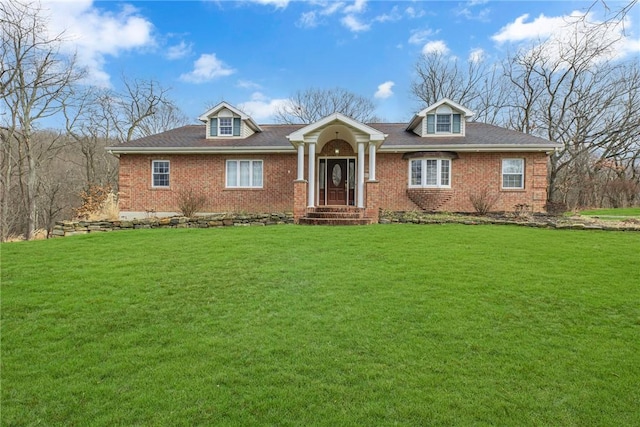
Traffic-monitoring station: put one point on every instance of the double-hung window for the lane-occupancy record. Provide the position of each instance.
(444, 123)
(225, 126)
(513, 173)
(160, 173)
(425, 173)
(244, 173)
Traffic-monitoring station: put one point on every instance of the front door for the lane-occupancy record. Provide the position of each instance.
(336, 181)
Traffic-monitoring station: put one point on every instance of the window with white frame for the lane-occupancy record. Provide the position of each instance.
(225, 126)
(244, 173)
(513, 173)
(444, 123)
(425, 173)
(160, 173)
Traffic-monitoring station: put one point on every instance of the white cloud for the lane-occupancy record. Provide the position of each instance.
(279, 4)
(477, 55)
(261, 108)
(384, 90)
(331, 8)
(354, 24)
(207, 67)
(179, 51)
(519, 30)
(307, 20)
(247, 84)
(420, 36)
(481, 15)
(93, 34)
(357, 7)
(559, 31)
(437, 46)
(411, 12)
(392, 16)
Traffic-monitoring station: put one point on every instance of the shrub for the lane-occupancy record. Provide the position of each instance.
(190, 202)
(555, 208)
(98, 203)
(483, 201)
(522, 211)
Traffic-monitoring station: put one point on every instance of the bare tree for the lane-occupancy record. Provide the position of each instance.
(476, 85)
(36, 80)
(98, 118)
(167, 116)
(310, 105)
(571, 92)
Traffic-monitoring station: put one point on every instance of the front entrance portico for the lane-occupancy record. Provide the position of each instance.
(335, 147)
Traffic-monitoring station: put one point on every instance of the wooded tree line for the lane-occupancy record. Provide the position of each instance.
(43, 171)
(572, 91)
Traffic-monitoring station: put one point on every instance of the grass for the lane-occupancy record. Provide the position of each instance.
(616, 213)
(289, 325)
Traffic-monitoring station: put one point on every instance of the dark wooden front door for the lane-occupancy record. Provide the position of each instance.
(336, 181)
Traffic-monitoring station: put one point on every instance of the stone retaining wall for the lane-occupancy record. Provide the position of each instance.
(538, 221)
(72, 228)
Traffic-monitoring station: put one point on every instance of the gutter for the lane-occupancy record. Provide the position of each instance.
(198, 150)
(469, 148)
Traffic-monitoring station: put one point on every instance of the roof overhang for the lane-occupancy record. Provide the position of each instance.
(199, 150)
(471, 148)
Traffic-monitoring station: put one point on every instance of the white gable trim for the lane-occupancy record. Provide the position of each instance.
(312, 129)
(243, 116)
(417, 119)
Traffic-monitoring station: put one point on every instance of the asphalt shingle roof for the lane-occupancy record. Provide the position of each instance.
(274, 137)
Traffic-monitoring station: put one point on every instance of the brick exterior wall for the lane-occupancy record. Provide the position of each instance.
(205, 173)
(471, 172)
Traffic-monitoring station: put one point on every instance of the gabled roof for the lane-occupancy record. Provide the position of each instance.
(207, 115)
(478, 137)
(273, 139)
(192, 139)
(417, 118)
(374, 134)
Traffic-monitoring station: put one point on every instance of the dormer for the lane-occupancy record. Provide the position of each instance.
(224, 121)
(444, 118)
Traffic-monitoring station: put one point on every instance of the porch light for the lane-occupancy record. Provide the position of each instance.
(337, 151)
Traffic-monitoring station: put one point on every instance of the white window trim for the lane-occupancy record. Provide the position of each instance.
(502, 173)
(153, 162)
(445, 132)
(424, 175)
(220, 119)
(252, 161)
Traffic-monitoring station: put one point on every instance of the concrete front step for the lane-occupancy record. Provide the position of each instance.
(335, 215)
(337, 209)
(345, 215)
(335, 221)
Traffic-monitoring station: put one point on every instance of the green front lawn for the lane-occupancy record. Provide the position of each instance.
(291, 325)
(614, 213)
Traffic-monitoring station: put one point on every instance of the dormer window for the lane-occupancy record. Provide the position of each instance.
(226, 126)
(443, 123)
(226, 121)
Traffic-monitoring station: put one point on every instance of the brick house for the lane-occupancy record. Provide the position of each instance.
(436, 162)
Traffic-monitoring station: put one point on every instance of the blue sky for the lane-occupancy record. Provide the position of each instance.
(254, 54)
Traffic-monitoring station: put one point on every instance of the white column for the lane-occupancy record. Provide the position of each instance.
(312, 175)
(361, 174)
(372, 162)
(301, 161)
